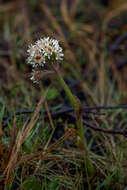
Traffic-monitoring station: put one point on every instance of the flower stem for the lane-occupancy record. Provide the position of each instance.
(76, 104)
(66, 88)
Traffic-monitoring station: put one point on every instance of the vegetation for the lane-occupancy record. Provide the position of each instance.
(69, 130)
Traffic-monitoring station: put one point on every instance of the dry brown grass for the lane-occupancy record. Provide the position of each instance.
(84, 31)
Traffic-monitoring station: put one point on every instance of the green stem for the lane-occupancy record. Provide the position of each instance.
(66, 88)
(77, 108)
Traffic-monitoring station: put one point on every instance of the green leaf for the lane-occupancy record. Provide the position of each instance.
(32, 184)
(53, 185)
(52, 93)
(2, 110)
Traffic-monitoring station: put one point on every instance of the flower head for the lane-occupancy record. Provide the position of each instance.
(45, 50)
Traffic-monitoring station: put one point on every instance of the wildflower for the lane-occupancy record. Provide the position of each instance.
(43, 51)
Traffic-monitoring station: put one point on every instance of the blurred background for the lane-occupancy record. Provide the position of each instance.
(93, 34)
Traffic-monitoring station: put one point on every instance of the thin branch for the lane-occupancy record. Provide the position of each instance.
(63, 109)
(109, 131)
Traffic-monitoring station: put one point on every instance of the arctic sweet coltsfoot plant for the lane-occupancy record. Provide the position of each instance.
(45, 57)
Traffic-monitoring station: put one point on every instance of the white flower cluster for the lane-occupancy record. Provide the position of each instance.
(44, 50)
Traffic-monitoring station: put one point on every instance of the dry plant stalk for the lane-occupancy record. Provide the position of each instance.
(113, 13)
(35, 116)
(65, 13)
(42, 154)
(20, 139)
